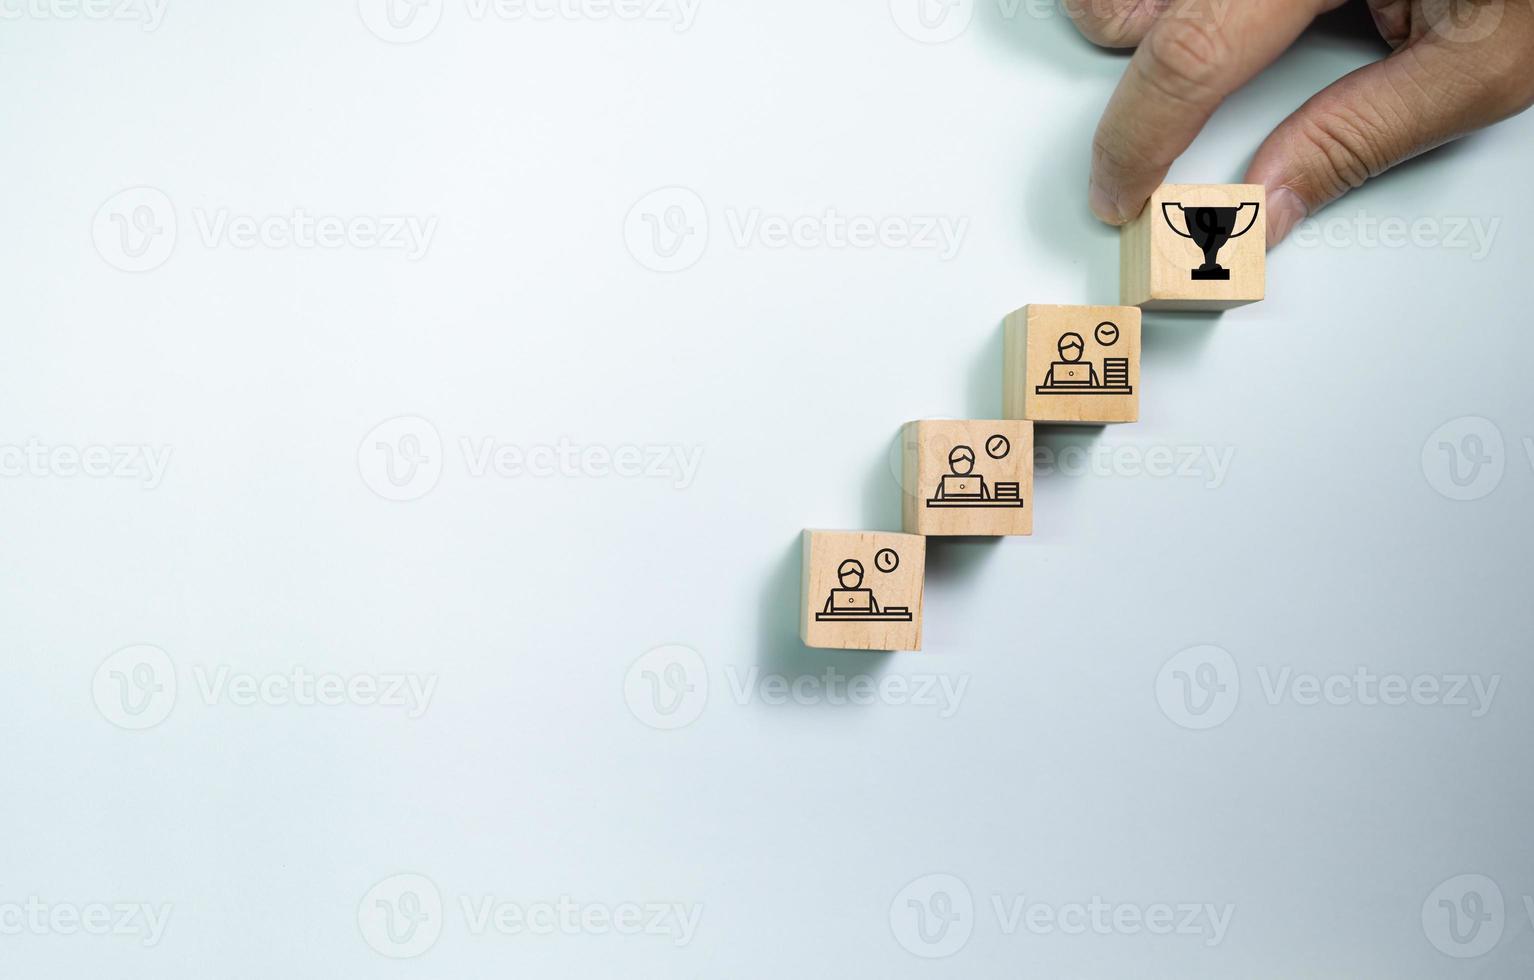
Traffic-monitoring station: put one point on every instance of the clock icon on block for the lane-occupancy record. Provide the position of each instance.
(886, 560)
(1107, 333)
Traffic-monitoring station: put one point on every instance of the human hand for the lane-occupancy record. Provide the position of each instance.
(1455, 67)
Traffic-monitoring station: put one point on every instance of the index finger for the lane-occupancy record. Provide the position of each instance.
(1198, 52)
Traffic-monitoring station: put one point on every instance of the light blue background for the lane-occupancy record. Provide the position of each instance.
(535, 772)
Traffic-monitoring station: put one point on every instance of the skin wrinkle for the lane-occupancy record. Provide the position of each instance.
(1123, 26)
(1188, 59)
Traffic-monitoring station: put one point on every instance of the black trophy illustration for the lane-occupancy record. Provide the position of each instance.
(1210, 228)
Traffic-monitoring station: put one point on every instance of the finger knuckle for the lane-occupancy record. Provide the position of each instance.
(1108, 157)
(1184, 59)
(1112, 23)
(1351, 148)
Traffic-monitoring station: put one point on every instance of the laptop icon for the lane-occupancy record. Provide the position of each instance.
(852, 600)
(1064, 373)
(962, 486)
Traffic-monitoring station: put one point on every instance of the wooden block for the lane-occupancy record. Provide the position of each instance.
(1072, 364)
(968, 477)
(862, 590)
(1196, 247)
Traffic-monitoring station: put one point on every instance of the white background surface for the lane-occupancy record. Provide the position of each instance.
(1329, 542)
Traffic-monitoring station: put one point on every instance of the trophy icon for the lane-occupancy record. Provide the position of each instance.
(1210, 228)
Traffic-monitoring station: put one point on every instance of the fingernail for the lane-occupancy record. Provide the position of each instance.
(1103, 205)
(1285, 210)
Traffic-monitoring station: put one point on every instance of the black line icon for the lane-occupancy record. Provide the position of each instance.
(1210, 228)
(854, 604)
(1072, 376)
(963, 487)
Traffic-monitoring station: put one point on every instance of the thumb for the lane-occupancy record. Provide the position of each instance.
(1418, 98)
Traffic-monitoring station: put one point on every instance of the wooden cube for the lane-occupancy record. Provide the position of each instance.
(1196, 247)
(862, 590)
(968, 477)
(1072, 364)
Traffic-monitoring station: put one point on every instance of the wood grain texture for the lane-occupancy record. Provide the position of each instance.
(867, 592)
(1102, 383)
(962, 477)
(1156, 263)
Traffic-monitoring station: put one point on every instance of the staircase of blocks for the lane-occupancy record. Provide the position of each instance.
(1194, 247)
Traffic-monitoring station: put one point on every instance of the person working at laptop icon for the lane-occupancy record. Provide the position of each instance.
(851, 597)
(962, 483)
(853, 603)
(1070, 369)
